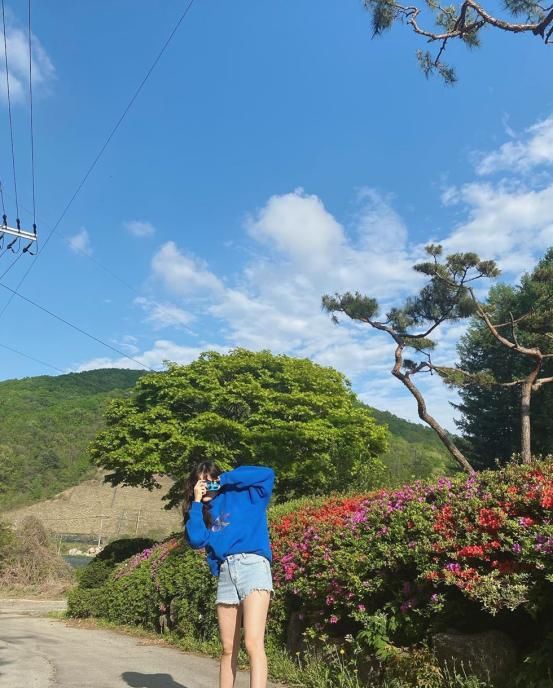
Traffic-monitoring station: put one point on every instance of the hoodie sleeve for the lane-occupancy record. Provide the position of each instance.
(261, 478)
(196, 531)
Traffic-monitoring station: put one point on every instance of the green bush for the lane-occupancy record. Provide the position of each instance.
(119, 550)
(85, 602)
(94, 574)
(130, 599)
(97, 572)
(187, 591)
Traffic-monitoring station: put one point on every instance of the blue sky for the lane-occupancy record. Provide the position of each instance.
(277, 153)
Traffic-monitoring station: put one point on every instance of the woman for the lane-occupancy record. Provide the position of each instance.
(231, 524)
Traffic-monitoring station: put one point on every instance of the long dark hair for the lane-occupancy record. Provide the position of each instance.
(202, 469)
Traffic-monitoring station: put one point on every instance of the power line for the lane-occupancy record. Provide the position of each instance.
(105, 144)
(36, 360)
(32, 126)
(6, 272)
(2, 194)
(94, 260)
(75, 327)
(9, 104)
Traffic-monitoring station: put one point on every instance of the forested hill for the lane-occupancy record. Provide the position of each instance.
(46, 425)
(414, 450)
(48, 422)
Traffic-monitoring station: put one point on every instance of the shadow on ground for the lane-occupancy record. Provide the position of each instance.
(137, 680)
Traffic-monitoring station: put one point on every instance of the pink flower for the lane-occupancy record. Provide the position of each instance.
(526, 521)
(333, 619)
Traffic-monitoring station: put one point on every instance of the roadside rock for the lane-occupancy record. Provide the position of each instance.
(490, 655)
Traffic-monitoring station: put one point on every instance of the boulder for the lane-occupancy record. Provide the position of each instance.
(490, 655)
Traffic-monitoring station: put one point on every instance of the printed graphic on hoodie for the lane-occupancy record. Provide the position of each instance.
(219, 523)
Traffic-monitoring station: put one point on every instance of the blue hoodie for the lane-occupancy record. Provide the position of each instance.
(239, 516)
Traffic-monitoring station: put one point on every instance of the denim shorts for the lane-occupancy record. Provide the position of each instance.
(240, 574)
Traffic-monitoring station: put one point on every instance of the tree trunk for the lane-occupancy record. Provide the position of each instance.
(525, 430)
(425, 416)
(525, 401)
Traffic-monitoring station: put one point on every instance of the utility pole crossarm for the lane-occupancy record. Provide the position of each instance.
(17, 231)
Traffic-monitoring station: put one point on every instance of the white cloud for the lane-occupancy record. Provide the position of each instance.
(182, 274)
(377, 214)
(80, 242)
(275, 302)
(128, 343)
(299, 226)
(301, 251)
(521, 155)
(164, 314)
(139, 228)
(509, 224)
(18, 63)
(162, 350)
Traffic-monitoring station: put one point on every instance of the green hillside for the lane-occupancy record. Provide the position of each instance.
(48, 422)
(414, 450)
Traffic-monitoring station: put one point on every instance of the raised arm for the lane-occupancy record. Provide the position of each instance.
(262, 478)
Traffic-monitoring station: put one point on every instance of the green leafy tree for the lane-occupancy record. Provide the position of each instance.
(460, 22)
(242, 408)
(491, 414)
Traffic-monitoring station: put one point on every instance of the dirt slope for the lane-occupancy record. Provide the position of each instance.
(95, 508)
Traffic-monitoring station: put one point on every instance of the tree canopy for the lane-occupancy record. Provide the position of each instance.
(460, 22)
(298, 417)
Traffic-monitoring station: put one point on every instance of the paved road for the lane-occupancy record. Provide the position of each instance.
(37, 652)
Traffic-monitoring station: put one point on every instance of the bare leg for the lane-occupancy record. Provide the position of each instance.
(230, 621)
(256, 606)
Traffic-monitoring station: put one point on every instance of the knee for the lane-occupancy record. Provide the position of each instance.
(254, 646)
(228, 650)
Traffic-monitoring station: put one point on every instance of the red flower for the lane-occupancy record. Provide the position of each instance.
(432, 575)
(494, 544)
(490, 520)
(507, 566)
(537, 475)
(468, 574)
(470, 551)
(547, 497)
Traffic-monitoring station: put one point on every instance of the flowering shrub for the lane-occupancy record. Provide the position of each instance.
(391, 567)
(489, 536)
(154, 554)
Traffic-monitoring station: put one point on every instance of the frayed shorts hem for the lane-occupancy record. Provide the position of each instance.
(269, 590)
(241, 574)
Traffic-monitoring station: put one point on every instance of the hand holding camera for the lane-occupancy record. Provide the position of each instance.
(202, 487)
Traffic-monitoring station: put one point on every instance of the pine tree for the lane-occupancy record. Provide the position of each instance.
(491, 421)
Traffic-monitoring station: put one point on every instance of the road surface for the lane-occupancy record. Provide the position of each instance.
(38, 652)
